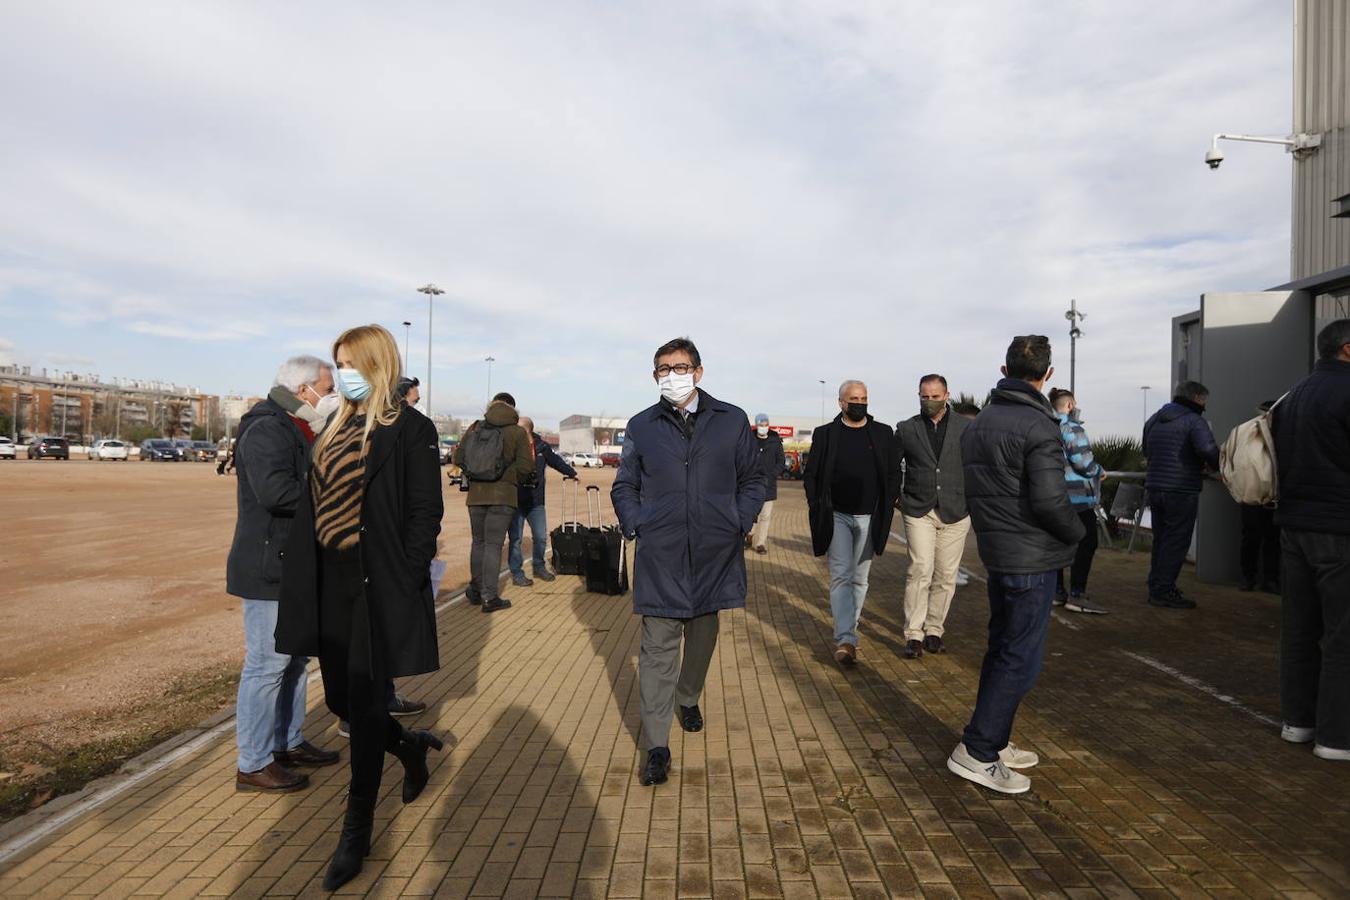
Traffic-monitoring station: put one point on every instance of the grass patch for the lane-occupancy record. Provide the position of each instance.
(39, 774)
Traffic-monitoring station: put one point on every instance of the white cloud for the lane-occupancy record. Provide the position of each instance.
(810, 189)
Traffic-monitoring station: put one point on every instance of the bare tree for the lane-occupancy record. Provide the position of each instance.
(173, 418)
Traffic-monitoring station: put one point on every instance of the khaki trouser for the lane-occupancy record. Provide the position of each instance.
(935, 549)
(761, 529)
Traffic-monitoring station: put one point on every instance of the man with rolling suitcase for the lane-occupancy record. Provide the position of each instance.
(688, 490)
(530, 508)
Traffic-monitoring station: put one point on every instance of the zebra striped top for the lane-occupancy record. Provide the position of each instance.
(339, 489)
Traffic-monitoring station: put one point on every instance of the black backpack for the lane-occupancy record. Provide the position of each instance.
(482, 454)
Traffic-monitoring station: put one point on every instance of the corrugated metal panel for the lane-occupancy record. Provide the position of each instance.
(1322, 104)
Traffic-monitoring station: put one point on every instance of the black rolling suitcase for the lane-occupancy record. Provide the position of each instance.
(567, 537)
(605, 558)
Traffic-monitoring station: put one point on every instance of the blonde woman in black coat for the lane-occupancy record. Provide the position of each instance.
(356, 589)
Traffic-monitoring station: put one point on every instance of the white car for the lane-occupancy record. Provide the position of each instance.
(586, 461)
(108, 450)
(7, 449)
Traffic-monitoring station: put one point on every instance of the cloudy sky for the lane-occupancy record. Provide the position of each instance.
(811, 189)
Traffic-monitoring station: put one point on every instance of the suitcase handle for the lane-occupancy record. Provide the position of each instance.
(573, 521)
(594, 513)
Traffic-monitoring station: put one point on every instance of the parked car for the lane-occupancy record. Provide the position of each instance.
(184, 447)
(49, 448)
(159, 450)
(585, 461)
(447, 450)
(108, 449)
(611, 460)
(7, 450)
(202, 451)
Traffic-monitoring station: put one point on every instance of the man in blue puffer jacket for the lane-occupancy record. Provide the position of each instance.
(1179, 446)
(1083, 477)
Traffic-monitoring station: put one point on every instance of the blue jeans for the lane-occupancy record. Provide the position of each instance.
(537, 516)
(1019, 618)
(850, 559)
(271, 706)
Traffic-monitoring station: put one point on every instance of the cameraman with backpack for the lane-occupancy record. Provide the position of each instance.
(494, 455)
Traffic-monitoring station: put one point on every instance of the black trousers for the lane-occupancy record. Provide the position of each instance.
(1082, 557)
(354, 676)
(1260, 545)
(1173, 515)
(1315, 635)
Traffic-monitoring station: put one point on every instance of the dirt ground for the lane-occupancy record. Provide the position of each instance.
(115, 628)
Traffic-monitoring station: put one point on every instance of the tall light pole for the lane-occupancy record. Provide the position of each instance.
(822, 400)
(489, 360)
(1144, 388)
(432, 293)
(407, 333)
(1074, 317)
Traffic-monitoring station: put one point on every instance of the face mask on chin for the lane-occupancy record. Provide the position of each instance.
(856, 412)
(677, 388)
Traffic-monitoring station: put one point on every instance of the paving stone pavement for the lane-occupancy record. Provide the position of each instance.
(1161, 769)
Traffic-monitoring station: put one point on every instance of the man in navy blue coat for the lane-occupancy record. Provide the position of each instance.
(688, 490)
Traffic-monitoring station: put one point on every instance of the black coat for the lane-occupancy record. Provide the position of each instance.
(1312, 451)
(1179, 445)
(271, 458)
(400, 521)
(820, 473)
(771, 459)
(1013, 457)
(528, 496)
(930, 482)
(690, 501)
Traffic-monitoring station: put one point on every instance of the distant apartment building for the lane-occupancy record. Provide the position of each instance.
(84, 407)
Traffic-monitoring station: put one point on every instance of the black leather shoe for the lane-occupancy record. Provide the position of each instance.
(474, 599)
(494, 605)
(913, 649)
(657, 767)
(306, 754)
(933, 644)
(353, 844)
(1171, 600)
(412, 752)
(690, 718)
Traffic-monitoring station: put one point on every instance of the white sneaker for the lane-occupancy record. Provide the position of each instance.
(1295, 735)
(1331, 753)
(1014, 757)
(994, 775)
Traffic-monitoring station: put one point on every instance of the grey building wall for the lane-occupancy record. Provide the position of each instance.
(1321, 105)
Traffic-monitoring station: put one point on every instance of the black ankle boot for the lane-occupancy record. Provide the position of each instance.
(354, 843)
(411, 750)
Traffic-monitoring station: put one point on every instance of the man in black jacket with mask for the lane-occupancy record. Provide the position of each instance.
(1013, 460)
(1179, 446)
(851, 479)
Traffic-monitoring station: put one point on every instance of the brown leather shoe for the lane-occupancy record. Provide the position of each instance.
(846, 654)
(306, 754)
(273, 779)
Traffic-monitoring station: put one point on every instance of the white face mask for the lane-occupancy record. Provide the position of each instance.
(762, 430)
(677, 388)
(327, 404)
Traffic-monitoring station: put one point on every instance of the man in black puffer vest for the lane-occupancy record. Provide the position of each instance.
(1312, 452)
(1013, 462)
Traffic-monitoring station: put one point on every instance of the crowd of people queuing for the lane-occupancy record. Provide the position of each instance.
(340, 507)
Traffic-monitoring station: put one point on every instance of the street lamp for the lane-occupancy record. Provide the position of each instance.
(1144, 388)
(432, 293)
(1074, 317)
(489, 360)
(822, 400)
(407, 333)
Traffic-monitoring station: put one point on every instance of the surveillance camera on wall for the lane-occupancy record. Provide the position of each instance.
(1213, 158)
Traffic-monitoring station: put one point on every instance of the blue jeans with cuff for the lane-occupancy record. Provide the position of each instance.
(270, 710)
(537, 516)
(1019, 618)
